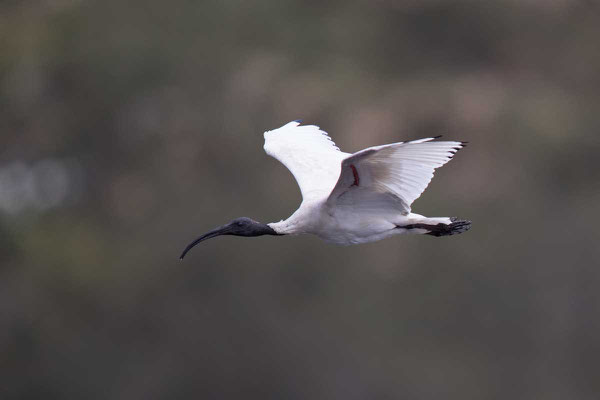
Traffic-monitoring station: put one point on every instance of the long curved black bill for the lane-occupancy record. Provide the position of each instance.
(223, 230)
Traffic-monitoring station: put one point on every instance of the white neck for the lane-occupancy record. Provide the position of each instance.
(287, 227)
(303, 220)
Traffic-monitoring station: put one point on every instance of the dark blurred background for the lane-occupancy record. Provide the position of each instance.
(129, 127)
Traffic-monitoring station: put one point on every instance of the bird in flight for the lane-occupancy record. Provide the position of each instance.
(352, 198)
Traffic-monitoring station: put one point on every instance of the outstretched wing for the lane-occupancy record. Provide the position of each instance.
(309, 154)
(394, 174)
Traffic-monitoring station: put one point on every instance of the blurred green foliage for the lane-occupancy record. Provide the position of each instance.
(127, 128)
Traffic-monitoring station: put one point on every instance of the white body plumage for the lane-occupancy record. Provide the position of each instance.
(360, 197)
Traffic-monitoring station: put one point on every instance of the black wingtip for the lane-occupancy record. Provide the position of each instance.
(437, 137)
(298, 121)
(461, 146)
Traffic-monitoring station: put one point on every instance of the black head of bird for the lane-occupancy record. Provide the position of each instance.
(238, 227)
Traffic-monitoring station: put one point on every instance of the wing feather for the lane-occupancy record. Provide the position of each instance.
(310, 155)
(396, 174)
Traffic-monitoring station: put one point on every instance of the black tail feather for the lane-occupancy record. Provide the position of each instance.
(457, 226)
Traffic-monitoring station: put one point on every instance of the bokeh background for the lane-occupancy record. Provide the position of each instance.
(127, 128)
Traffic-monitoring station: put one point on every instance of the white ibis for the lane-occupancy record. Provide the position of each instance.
(352, 198)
